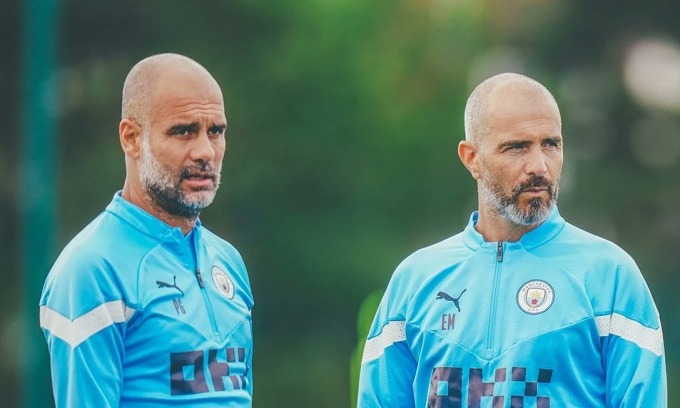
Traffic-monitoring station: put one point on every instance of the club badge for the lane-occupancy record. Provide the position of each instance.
(223, 283)
(535, 297)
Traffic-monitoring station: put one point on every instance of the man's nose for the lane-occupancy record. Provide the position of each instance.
(536, 163)
(202, 148)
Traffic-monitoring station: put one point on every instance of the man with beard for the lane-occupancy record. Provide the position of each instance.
(521, 309)
(145, 306)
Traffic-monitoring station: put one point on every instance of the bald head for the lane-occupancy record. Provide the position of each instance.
(146, 77)
(502, 89)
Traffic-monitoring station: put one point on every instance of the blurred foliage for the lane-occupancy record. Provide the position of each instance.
(344, 117)
(364, 320)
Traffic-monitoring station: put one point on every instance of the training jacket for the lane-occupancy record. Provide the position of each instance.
(135, 314)
(560, 318)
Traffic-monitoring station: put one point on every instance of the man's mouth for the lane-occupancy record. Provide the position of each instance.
(199, 180)
(535, 190)
(199, 176)
(535, 185)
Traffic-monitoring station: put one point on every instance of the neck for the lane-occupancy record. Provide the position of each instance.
(493, 227)
(185, 224)
(141, 199)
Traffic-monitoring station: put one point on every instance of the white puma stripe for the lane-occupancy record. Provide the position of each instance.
(81, 328)
(391, 333)
(628, 329)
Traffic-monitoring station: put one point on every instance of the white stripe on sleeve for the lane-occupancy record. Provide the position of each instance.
(628, 329)
(80, 329)
(391, 333)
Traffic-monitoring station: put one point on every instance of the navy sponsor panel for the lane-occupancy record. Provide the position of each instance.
(448, 383)
(213, 370)
(186, 373)
(446, 388)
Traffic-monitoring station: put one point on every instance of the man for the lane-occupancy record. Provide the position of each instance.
(145, 306)
(521, 309)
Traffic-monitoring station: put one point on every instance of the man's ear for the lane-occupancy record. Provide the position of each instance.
(130, 137)
(468, 154)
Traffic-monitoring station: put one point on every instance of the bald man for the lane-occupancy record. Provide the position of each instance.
(145, 307)
(521, 309)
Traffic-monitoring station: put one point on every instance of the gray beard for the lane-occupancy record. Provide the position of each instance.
(507, 206)
(164, 188)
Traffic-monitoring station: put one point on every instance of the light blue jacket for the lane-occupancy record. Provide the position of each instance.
(137, 315)
(561, 318)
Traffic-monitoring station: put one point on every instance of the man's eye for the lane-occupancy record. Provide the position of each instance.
(180, 132)
(216, 130)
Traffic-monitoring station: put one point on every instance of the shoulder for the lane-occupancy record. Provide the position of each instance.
(213, 239)
(609, 274)
(221, 246)
(423, 263)
(443, 252)
(89, 267)
(105, 241)
(414, 271)
(594, 250)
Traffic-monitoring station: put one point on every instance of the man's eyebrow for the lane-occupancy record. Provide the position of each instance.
(512, 143)
(183, 127)
(219, 126)
(520, 142)
(557, 139)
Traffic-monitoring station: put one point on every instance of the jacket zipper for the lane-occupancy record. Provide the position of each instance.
(204, 293)
(199, 278)
(494, 297)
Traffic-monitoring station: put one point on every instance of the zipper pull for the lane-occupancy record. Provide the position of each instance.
(198, 277)
(499, 253)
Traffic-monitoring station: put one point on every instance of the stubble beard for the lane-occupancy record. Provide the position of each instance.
(163, 185)
(537, 209)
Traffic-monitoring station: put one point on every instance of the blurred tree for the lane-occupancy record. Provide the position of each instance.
(364, 321)
(344, 119)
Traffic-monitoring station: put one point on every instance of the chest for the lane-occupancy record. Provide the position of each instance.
(192, 332)
(489, 306)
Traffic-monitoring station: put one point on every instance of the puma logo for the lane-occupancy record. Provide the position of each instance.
(442, 295)
(162, 284)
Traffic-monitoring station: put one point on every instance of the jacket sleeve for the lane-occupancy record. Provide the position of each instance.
(83, 316)
(632, 344)
(388, 366)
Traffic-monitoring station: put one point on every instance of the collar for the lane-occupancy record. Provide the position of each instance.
(143, 221)
(538, 236)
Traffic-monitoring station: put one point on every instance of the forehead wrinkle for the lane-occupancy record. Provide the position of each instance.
(193, 116)
(188, 108)
(527, 124)
(209, 106)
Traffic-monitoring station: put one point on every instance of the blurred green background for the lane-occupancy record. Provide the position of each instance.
(344, 117)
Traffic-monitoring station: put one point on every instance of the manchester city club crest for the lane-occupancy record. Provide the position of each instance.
(223, 283)
(535, 297)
